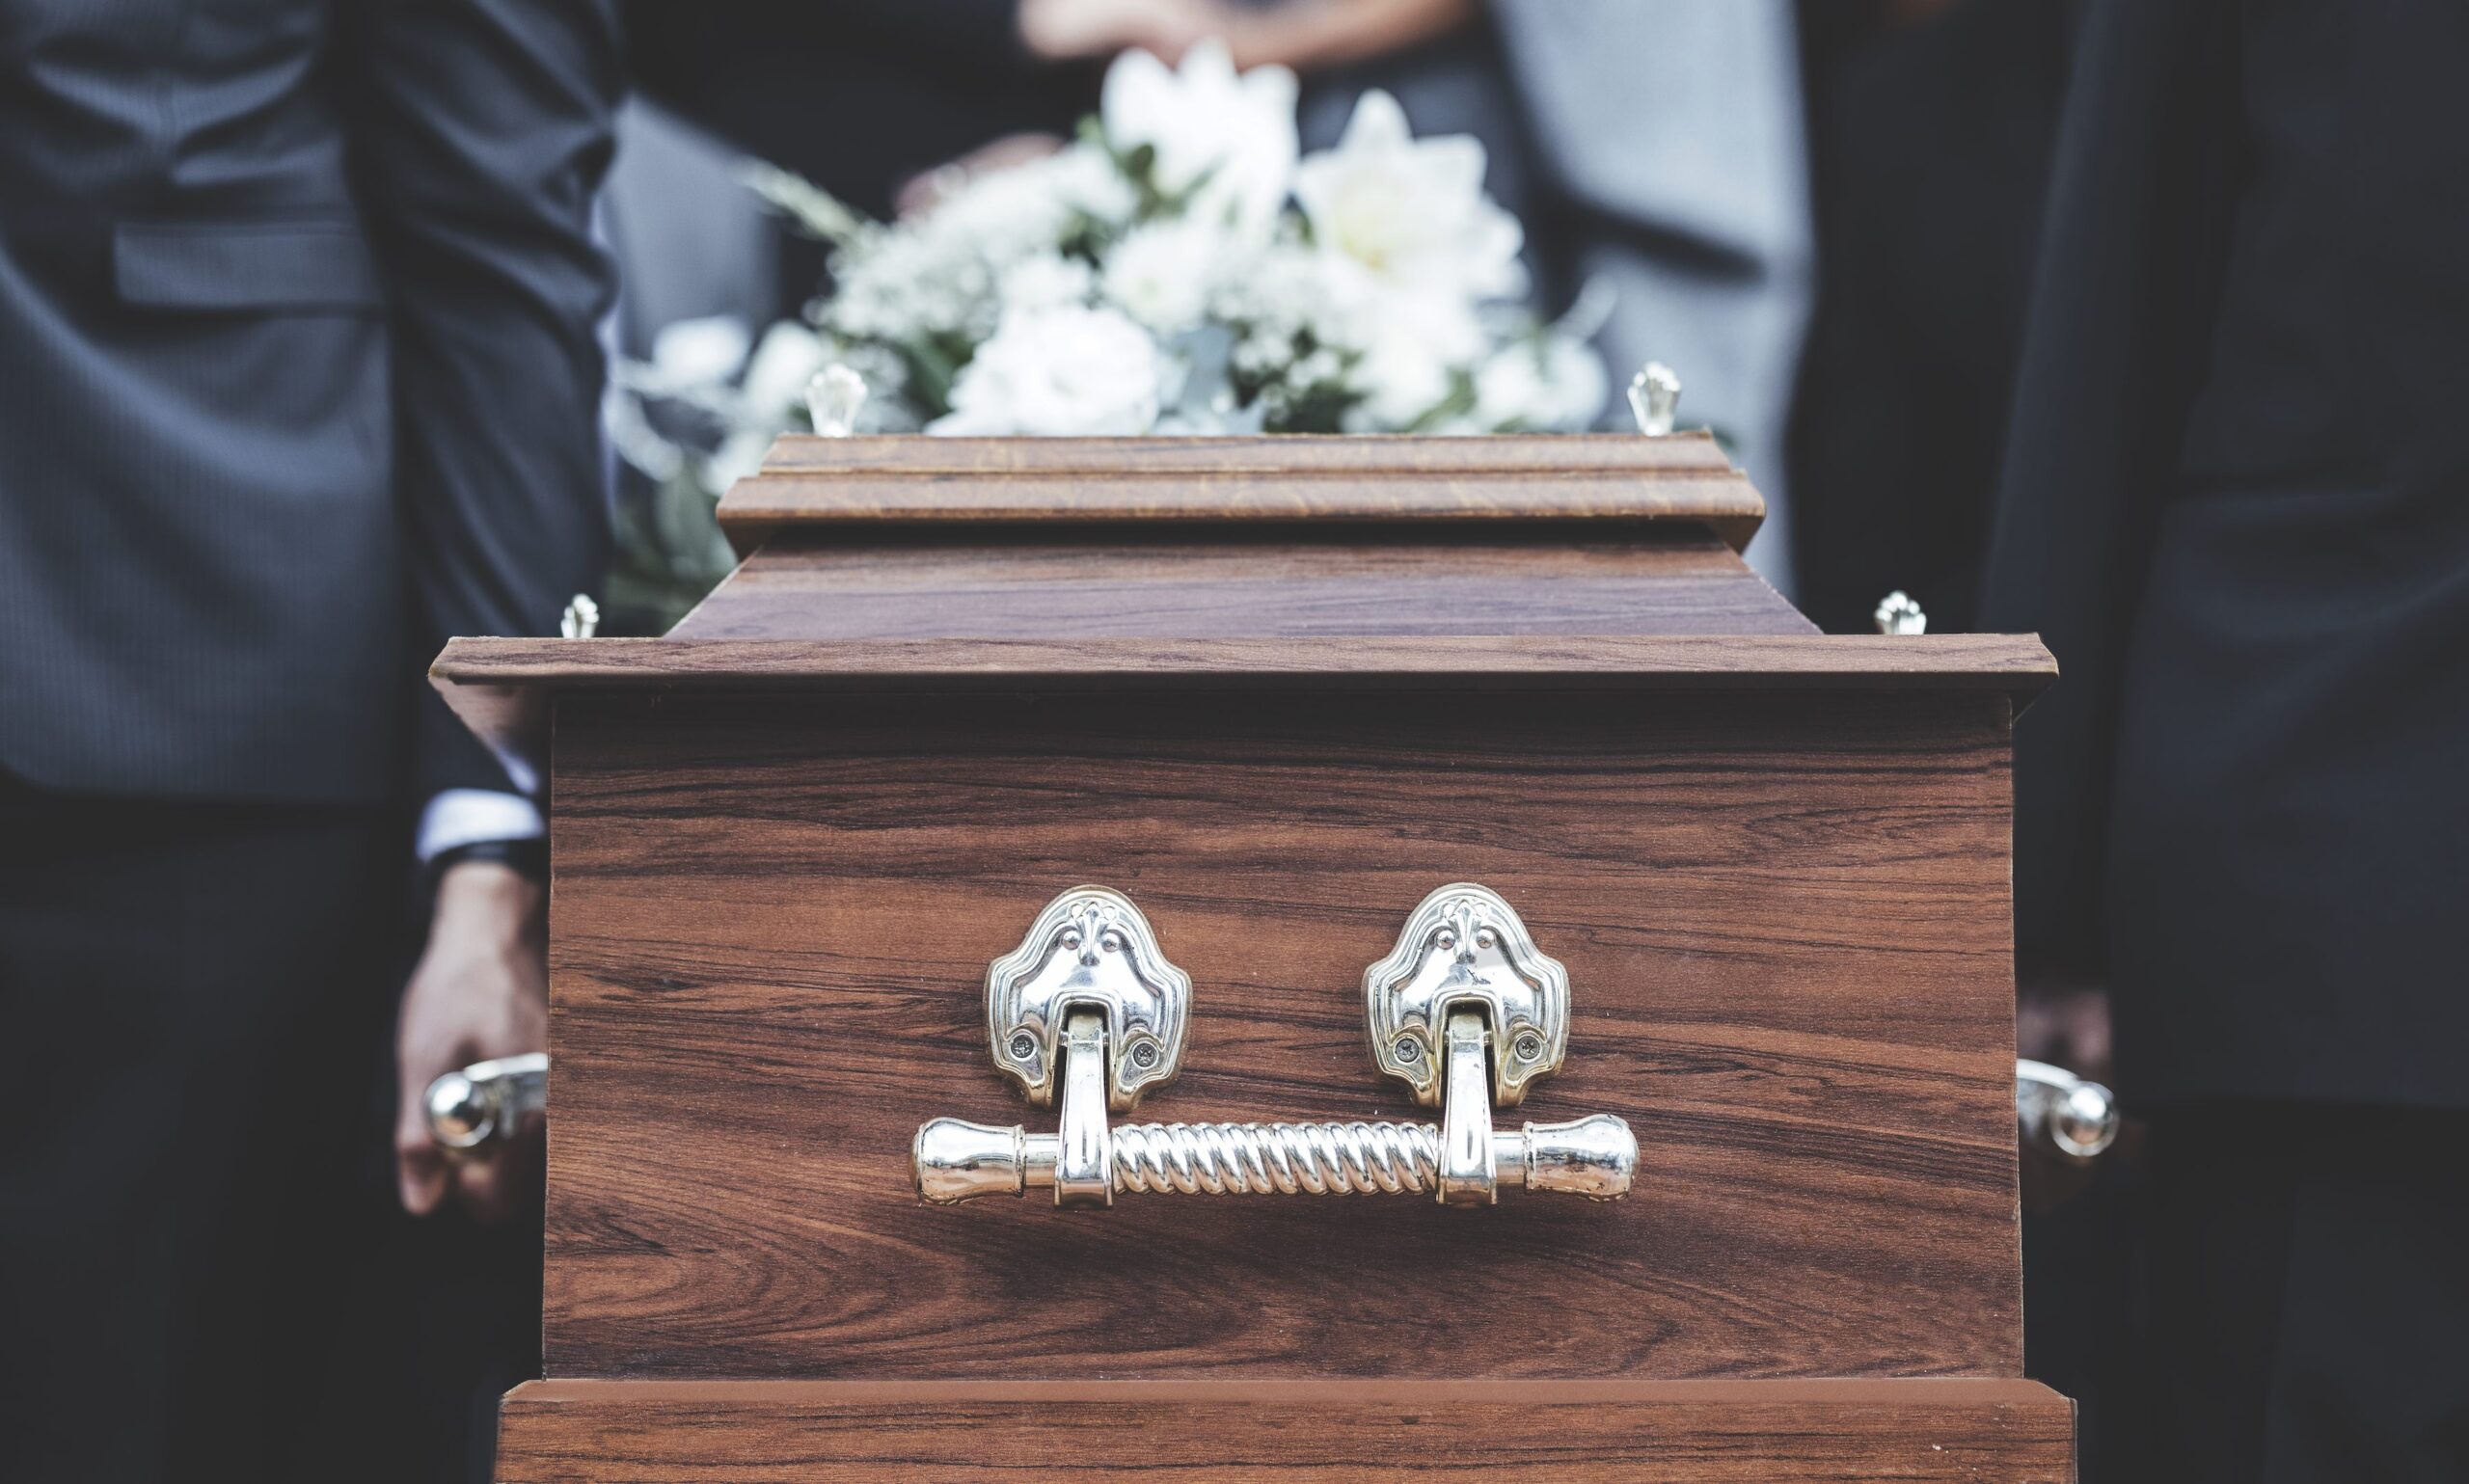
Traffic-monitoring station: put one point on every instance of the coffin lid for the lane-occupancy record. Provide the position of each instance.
(1282, 563)
(820, 483)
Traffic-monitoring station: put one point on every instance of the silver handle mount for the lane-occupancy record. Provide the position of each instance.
(1088, 1011)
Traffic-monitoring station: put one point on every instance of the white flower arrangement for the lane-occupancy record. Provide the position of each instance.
(1179, 268)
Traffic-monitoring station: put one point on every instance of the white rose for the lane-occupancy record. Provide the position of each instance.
(1230, 136)
(1409, 343)
(1043, 281)
(1161, 274)
(1399, 384)
(1059, 371)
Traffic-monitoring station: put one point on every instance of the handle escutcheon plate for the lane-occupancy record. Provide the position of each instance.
(1090, 949)
(1466, 948)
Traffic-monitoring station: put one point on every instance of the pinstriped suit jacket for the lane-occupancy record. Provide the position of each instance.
(298, 377)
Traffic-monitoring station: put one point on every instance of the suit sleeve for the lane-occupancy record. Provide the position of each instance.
(2113, 355)
(480, 132)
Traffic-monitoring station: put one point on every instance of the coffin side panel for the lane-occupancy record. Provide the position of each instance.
(1785, 919)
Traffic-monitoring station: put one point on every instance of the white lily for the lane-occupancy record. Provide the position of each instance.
(1231, 135)
(1410, 214)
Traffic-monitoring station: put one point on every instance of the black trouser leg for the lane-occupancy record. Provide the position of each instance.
(2310, 1291)
(190, 998)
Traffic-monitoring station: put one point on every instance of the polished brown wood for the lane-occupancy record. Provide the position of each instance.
(841, 481)
(500, 686)
(1601, 1432)
(1276, 691)
(1784, 916)
(2015, 666)
(1173, 580)
(1269, 458)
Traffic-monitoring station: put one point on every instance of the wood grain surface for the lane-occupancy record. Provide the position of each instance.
(2012, 665)
(1179, 582)
(1841, 1432)
(1268, 455)
(1785, 917)
(500, 687)
(810, 481)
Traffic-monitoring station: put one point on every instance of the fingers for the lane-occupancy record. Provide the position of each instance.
(477, 992)
(480, 1186)
(491, 1187)
(420, 1164)
(487, 1181)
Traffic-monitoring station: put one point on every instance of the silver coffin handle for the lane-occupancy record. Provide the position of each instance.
(487, 1100)
(1465, 1161)
(2059, 1113)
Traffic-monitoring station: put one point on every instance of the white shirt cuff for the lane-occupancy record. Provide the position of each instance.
(460, 817)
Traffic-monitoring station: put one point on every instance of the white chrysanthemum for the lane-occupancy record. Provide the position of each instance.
(1003, 214)
(1059, 371)
(943, 273)
(1161, 274)
(908, 283)
(1230, 136)
(1282, 291)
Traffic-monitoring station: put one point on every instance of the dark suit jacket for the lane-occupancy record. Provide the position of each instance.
(857, 95)
(1929, 154)
(2237, 505)
(298, 377)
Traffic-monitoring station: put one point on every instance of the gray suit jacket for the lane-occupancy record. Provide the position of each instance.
(298, 378)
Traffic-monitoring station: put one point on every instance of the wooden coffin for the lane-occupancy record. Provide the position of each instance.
(1274, 691)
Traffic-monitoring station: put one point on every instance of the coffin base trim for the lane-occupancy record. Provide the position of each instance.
(1288, 1432)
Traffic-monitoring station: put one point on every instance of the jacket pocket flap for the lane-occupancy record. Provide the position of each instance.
(245, 265)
